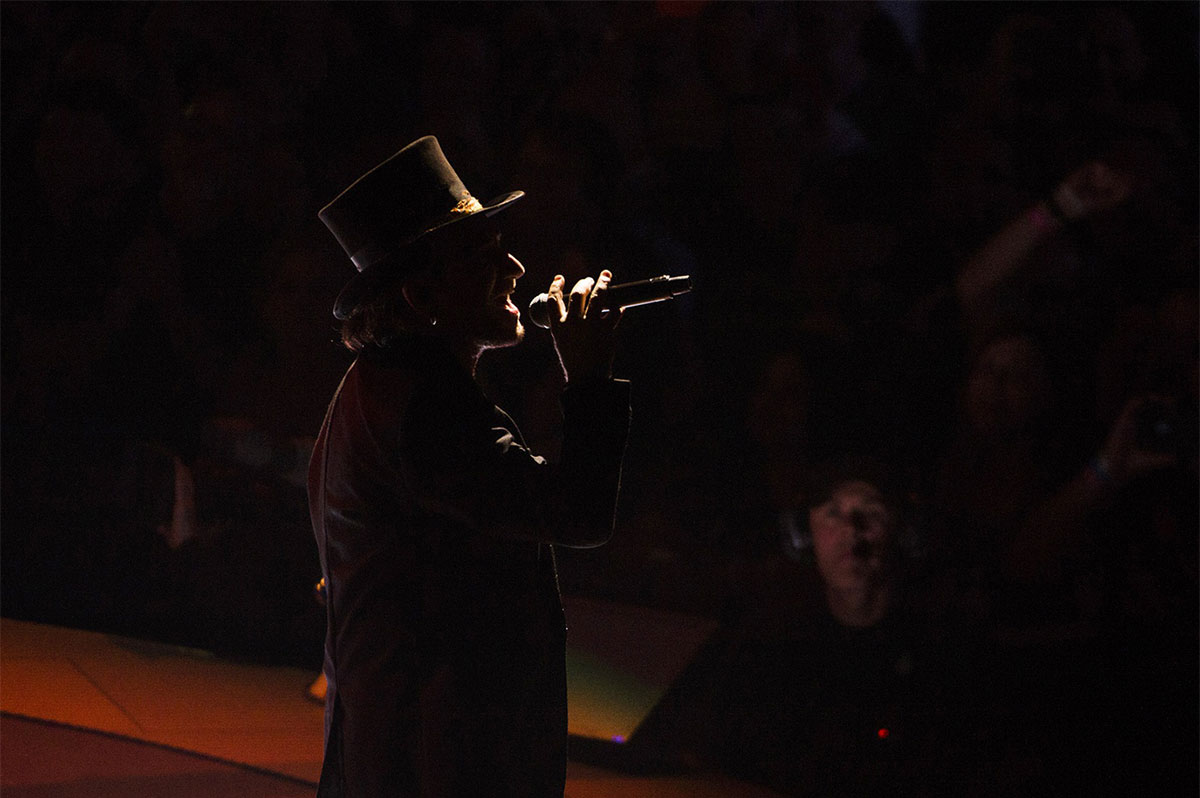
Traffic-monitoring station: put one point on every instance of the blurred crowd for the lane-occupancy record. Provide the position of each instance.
(956, 239)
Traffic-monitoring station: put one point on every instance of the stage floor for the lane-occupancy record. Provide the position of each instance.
(90, 714)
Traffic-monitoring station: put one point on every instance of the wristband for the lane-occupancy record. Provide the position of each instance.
(1098, 468)
(1064, 203)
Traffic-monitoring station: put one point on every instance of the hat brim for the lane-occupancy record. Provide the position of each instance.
(363, 284)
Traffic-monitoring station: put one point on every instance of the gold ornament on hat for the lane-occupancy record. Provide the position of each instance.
(467, 204)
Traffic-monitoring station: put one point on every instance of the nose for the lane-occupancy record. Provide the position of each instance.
(857, 525)
(513, 268)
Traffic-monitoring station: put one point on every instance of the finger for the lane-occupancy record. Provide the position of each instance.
(1131, 408)
(577, 304)
(556, 294)
(600, 287)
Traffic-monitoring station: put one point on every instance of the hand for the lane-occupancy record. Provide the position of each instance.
(584, 340)
(1123, 458)
(1092, 188)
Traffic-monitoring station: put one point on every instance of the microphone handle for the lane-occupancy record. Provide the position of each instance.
(643, 292)
(621, 295)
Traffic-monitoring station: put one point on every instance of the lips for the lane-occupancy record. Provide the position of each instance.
(505, 299)
(504, 295)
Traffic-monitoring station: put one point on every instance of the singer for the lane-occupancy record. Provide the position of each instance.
(436, 527)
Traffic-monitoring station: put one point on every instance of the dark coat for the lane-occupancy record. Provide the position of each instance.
(445, 648)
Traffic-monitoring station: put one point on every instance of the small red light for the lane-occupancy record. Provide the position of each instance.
(883, 734)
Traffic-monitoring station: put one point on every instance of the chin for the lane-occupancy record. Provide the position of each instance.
(510, 336)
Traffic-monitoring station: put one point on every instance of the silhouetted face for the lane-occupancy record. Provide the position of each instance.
(1009, 387)
(473, 299)
(852, 535)
(778, 408)
(1114, 51)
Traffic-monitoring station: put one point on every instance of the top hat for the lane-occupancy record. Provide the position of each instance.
(409, 195)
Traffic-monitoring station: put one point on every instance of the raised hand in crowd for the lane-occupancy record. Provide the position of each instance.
(1092, 189)
(1140, 442)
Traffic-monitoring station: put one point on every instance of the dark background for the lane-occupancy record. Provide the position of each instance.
(823, 171)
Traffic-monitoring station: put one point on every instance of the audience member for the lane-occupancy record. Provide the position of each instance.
(836, 681)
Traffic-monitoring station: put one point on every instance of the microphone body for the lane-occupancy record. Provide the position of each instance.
(621, 295)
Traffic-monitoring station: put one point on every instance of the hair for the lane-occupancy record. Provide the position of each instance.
(824, 479)
(908, 539)
(383, 314)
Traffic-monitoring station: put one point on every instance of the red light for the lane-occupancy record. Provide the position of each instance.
(883, 734)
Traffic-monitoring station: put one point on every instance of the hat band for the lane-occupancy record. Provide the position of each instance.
(370, 254)
(374, 252)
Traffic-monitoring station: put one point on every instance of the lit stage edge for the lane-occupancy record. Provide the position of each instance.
(621, 660)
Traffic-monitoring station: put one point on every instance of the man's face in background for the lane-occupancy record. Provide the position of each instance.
(852, 532)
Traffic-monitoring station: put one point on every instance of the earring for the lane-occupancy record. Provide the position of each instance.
(433, 321)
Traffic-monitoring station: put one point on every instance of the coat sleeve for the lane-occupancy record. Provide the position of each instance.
(464, 459)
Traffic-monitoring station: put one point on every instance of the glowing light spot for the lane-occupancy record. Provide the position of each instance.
(618, 738)
(883, 734)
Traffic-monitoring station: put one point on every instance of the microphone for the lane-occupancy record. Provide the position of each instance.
(621, 295)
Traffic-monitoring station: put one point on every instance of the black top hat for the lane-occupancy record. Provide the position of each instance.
(413, 193)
